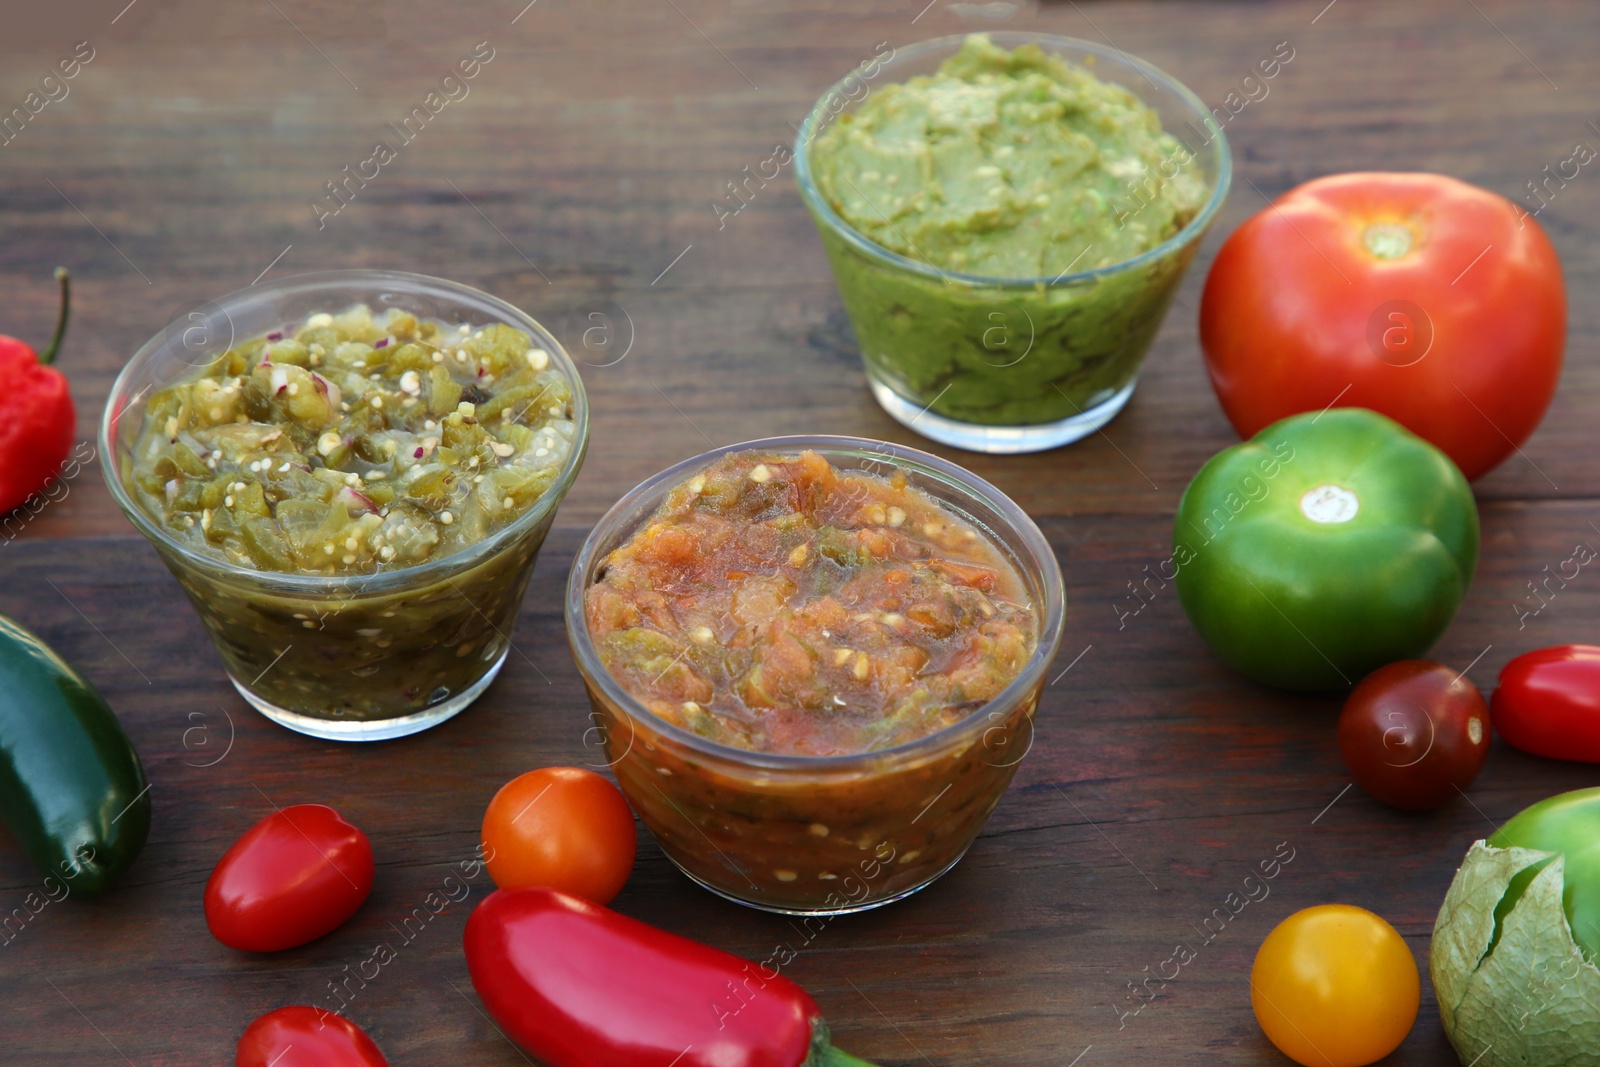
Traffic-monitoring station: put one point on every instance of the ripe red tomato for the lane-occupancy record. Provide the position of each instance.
(306, 1037)
(289, 879)
(1548, 703)
(1413, 733)
(1434, 302)
(562, 827)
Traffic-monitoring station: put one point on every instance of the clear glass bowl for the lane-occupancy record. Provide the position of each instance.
(995, 364)
(351, 658)
(822, 834)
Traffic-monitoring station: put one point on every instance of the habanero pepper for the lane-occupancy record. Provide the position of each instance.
(37, 418)
(578, 985)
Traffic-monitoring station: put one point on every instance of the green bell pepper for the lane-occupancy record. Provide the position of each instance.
(72, 790)
(1324, 547)
(1567, 824)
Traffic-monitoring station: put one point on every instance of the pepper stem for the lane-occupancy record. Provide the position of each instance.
(54, 346)
(823, 1054)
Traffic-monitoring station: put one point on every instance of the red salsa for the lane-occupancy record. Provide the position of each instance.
(778, 604)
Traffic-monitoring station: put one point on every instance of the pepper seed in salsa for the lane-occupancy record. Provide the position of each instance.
(778, 604)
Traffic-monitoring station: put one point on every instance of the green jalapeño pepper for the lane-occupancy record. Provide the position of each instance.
(72, 790)
(1328, 545)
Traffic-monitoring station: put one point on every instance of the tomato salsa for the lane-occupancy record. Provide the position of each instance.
(777, 604)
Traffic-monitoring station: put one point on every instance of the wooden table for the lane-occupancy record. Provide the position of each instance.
(575, 180)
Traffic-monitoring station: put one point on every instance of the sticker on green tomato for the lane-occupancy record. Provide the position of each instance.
(1326, 546)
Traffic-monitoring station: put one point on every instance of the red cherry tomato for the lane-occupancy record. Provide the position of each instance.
(1548, 703)
(292, 877)
(1434, 302)
(562, 827)
(1414, 733)
(306, 1037)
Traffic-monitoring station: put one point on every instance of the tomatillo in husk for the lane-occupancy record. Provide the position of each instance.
(1515, 944)
(1327, 545)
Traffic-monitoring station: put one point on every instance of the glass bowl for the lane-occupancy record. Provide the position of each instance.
(998, 364)
(359, 657)
(822, 834)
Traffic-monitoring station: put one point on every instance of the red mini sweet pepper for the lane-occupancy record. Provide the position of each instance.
(578, 985)
(1548, 703)
(36, 414)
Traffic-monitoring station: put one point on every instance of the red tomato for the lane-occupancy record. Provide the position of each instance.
(562, 827)
(1414, 733)
(1548, 703)
(1434, 302)
(306, 1037)
(292, 877)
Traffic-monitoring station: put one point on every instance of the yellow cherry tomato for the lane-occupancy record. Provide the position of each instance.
(1335, 986)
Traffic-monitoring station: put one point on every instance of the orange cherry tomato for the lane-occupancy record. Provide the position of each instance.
(1431, 301)
(1335, 986)
(562, 827)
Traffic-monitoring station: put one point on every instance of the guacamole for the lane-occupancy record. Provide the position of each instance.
(1019, 167)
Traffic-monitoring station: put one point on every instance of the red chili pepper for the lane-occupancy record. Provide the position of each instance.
(36, 413)
(1548, 703)
(578, 985)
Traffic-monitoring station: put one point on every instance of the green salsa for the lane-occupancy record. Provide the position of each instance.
(357, 447)
(1019, 167)
(353, 444)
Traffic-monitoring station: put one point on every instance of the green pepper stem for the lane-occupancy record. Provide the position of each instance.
(823, 1054)
(54, 346)
(832, 1057)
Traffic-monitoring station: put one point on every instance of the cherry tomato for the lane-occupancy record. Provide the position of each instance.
(1548, 703)
(306, 1037)
(1335, 986)
(562, 827)
(1431, 301)
(1414, 733)
(289, 879)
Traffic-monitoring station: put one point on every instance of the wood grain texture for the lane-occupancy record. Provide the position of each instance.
(579, 167)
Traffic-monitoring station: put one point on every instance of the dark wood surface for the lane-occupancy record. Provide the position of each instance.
(577, 170)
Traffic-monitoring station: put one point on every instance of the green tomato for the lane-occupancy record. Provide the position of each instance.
(1324, 547)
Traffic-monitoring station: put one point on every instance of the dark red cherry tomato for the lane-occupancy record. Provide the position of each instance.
(1414, 733)
(292, 877)
(306, 1037)
(1548, 703)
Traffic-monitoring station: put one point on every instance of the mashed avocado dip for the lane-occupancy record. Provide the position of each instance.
(1019, 167)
